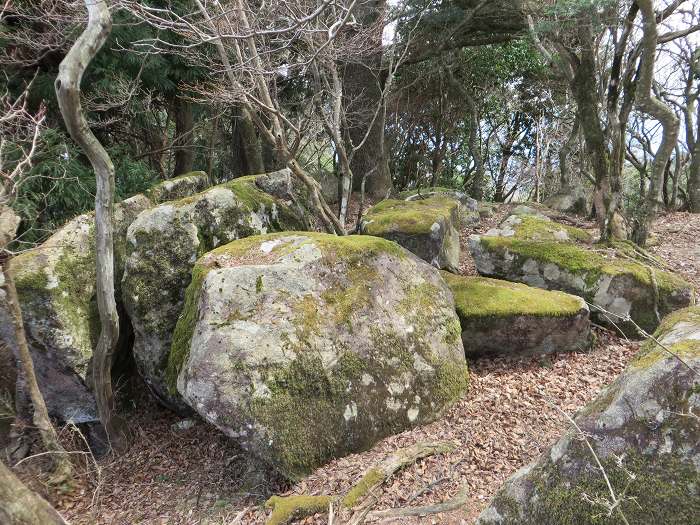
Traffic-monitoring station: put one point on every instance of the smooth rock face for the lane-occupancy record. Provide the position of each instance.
(305, 347)
(645, 434)
(179, 187)
(570, 200)
(163, 244)
(618, 278)
(500, 317)
(425, 227)
(56, 286)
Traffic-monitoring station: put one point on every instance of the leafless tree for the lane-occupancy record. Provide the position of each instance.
(68, 93)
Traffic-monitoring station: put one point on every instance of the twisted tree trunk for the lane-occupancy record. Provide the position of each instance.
(67, 86)
(670, 125)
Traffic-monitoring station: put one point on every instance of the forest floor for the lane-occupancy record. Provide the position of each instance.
(511, 413)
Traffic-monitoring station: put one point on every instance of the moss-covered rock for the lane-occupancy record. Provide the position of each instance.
(469, 207)
(179, 187)
(571, 199)
(644, 431)
(304, 347)
(500, 317)
(56, 285)
(165, 241)
(426, 227)
(619, 278)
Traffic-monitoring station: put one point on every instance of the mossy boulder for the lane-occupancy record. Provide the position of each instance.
(304, 346)
(56, 284)
(425, 227)
(469, 207)
(620, 278)
(179, 187)
(645, 432)
(571, 199)
(500, 317)
(163, 244)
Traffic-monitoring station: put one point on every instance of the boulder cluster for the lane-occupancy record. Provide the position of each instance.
(304, 346)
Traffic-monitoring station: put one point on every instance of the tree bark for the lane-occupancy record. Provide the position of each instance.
(67, 87)
(648, 103)
(183, 143)
(362, 88)
(565, 153)
(246, 149)
(21, 506)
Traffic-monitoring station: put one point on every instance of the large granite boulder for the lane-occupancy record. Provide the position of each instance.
(643, 431)
(469, 207)
(619, 277)
(500, 317)
(571, 199)
(304, 347)
(56, 284)
(163, 244)
(428, 227)
(179, 187)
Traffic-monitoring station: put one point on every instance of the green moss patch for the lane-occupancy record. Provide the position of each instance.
(291, 508)
(663, 489)
(408, 217)
(484, 297)
(537, 229)
(372, 478)
(590, 264)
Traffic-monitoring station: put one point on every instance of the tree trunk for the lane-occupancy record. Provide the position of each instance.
(670, 125)
(67, 86)
(694, 179)
(21, 506)
(565, 153)
(183, 143)
(362, 87)
(246, 149)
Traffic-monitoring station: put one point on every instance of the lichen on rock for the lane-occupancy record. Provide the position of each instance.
(643, 432)
(165, 242)
(501, 317)
(178, 187)
(426, 227)
(619, 278)
(293, 373)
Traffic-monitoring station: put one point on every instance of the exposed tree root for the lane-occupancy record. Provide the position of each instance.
(446, 506)
(360, 497)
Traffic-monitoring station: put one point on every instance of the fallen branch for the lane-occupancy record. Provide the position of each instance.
(286, 509)
(446, 506)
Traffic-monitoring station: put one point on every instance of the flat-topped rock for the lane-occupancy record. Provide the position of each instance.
(644, 431)
(469, 207)
(425, 227)
(164, 242)
(619, 278)
(500, 317)
(178, 187)
(304, 347)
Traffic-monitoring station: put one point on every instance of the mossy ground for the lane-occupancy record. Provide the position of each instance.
(484, 297)
(408, 217)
